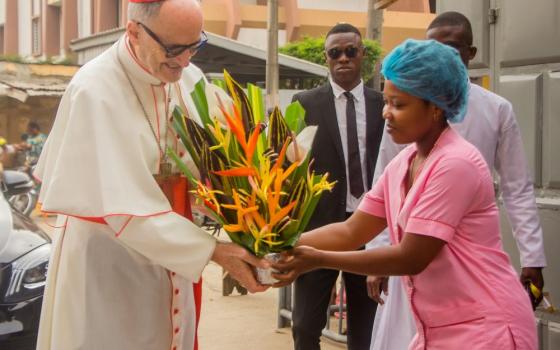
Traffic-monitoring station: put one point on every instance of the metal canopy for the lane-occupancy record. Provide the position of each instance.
(248, 64)
(245, 62)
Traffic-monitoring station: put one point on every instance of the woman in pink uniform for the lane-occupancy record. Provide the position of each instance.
(437, 199)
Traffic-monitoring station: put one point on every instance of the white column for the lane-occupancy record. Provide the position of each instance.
(24, 27)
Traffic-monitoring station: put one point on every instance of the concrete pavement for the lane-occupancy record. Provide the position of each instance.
(240, 322)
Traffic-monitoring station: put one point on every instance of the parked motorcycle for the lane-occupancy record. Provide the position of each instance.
(20, 190)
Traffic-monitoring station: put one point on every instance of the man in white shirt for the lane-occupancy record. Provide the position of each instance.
(124, 262)
(491, 126)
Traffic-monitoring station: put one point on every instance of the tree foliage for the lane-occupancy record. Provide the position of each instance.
(313, 50)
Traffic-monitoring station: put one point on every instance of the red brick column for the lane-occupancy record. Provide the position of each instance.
(50, 29)
(11, 28)
(68, 24)
(104, 15)
(124, 10)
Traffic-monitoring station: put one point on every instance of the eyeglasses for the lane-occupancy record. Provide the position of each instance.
(349, 51)
(175, 50)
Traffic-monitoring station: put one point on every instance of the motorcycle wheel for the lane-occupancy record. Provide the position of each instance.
(24, 203)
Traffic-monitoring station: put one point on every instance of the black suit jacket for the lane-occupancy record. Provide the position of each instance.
(327, 147)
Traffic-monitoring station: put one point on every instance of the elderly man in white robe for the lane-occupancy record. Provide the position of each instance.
(490, 125)
(122, 271)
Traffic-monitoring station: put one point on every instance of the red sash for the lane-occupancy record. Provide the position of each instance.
(176, 190)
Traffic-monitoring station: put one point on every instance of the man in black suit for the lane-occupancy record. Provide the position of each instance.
(346, 145)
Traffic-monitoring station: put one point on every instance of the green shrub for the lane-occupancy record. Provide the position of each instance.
(312, 49)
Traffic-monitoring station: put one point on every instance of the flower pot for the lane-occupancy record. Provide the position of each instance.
(264, 276)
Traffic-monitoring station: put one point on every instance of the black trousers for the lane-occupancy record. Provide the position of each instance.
(311, 300)
(309, 316)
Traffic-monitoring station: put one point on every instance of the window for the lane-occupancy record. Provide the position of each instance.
(1, 39)
(36, 27)
(36, 36)
(119, 14)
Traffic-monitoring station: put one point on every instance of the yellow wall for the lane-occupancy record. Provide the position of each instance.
(397, 26)
(38, 69)
(53, 70)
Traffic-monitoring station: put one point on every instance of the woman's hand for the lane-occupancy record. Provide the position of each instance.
(376, 285)
(300, 260)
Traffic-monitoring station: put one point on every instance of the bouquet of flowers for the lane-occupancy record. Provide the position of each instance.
(254, 175)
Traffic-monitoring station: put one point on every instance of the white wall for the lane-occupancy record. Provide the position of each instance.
(36, 8)
(2, 12)
(258, 37)
(84, 18)
(285, 98)
(346, 5)
(24, 27)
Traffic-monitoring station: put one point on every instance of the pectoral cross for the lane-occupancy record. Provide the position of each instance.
(164, 169)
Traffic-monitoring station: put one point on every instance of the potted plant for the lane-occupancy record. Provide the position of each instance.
(254, 175)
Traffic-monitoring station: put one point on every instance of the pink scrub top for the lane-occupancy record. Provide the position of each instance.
(469, 296)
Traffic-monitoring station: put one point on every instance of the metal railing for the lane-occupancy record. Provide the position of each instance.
(548, 330)
(285, 307)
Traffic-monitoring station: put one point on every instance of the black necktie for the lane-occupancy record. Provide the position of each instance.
(354, 165)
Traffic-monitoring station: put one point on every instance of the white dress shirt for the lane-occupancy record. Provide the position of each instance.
(360, 105)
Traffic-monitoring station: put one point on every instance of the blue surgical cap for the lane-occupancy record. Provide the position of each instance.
(431, 71)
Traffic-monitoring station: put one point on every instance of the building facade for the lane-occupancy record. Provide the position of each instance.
(75, 31)
(36, 30)
(39, 29)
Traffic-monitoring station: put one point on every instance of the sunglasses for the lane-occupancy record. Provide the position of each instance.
(349, 52)
(176, 50)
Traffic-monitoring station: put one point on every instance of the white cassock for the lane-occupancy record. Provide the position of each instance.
(490, 125)
(121, 272)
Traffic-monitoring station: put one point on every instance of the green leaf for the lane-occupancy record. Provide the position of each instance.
(255, 95)
(210, 155)
(256, 101)
(297, 193)
(248, 241)
(199, 98)
(278, 131)
(198, 136)
(295, 117)
(211, 161)
(179, 123)
(221, 83)
(240, 100)
(302, 169)
(236, 238)
(184, 169)
(310, 208)
(291, 242)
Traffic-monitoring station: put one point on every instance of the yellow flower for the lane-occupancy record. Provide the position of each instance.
(266, 197)
(322, 185)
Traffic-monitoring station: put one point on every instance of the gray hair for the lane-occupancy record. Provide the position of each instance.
(143, 12)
